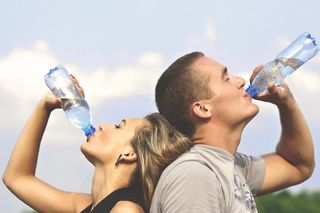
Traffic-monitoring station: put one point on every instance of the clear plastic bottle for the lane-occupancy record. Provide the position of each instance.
(74, 105)
(289, 60)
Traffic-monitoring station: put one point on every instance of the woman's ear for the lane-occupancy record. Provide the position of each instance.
(128, 155)
(202, 109)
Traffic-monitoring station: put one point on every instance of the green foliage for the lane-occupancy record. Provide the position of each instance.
(287, 202)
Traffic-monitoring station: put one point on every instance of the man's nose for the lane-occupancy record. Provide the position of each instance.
(240, 82)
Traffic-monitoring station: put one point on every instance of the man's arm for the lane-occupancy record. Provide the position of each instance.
(293, 161)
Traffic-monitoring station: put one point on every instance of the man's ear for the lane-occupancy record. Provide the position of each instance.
(202, 109)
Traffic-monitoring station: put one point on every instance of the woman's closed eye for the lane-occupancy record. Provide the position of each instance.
(123, 122)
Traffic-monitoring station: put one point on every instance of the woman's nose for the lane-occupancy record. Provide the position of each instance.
(102, 127)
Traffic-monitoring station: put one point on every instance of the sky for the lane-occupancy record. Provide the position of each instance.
(118, 50)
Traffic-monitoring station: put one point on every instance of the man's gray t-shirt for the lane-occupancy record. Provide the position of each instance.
(209, 179)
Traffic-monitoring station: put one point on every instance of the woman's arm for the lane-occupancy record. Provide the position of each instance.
(19, 175)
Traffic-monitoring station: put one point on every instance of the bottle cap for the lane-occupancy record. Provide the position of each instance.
(89, 130)
(251, 91)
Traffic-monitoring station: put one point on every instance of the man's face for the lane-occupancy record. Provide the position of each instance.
(230, 103)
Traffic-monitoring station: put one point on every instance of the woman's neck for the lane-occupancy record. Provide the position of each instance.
(105, 181)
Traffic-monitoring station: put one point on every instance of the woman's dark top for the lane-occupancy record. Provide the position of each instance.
(111, 200)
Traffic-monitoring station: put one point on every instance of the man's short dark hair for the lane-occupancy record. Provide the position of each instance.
(177, 88)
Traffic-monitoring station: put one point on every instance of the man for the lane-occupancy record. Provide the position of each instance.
(207, 103)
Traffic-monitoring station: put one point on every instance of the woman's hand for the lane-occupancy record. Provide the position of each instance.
(51, 102)
(76, 82)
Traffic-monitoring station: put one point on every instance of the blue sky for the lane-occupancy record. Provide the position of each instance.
(118, 49)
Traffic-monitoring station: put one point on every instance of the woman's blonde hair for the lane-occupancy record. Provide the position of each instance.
(157, 145)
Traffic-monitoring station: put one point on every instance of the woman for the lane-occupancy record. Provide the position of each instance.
(128, 159)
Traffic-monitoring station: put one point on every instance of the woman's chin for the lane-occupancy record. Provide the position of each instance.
(85, 151)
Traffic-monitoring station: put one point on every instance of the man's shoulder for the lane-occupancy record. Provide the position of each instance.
(185, 159)
(187, 166)
(186, 177)
(243, 160)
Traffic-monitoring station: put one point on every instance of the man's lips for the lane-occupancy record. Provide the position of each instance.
(246, 95)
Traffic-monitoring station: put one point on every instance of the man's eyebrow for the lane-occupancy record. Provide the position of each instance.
(124, 121)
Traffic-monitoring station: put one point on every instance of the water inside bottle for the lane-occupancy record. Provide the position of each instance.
(288, 65)
(77, 111)
(275, 72)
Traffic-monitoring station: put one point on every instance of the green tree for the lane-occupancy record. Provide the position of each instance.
(287, 202)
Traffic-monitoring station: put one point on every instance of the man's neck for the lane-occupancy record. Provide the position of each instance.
(219, 136)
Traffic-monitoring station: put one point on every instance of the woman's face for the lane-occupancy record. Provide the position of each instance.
(111, 140)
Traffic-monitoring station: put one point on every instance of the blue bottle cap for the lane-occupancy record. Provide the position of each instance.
(251, 91)
(89, 130)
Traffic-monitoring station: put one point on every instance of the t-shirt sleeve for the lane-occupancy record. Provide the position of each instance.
(191, 187)
(253, 169)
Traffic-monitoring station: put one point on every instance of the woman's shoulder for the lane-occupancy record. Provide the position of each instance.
(127, 206)
(81, 200)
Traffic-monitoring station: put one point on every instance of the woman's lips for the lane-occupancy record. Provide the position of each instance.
(88, 138)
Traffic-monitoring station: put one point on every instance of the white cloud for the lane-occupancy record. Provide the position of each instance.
(305, 80)
(150, 59)
(317, 58)
(138, 78)
(23, 69)
(22, 82)
(210, 33)
(207, 36)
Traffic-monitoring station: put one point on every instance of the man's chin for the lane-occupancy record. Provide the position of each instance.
(253, 113)
(256, 111)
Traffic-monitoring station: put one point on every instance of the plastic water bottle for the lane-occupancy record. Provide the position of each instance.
(74, 105)
(289, 60)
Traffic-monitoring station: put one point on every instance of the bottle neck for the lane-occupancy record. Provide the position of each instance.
(89, 130)
(252, 91)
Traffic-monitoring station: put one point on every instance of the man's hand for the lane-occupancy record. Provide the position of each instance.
(279, 95)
